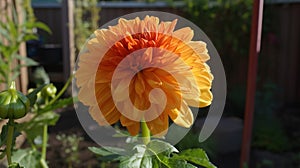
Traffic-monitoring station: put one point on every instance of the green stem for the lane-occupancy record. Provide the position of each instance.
(145, 132)
(43, 163)
(45, 140)
(9, 142)
(8, 74)
(61, 91)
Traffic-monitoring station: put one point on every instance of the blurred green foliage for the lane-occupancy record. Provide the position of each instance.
(191, 140)
(268, 132)
(70, 146)
(16, 28)
(86, 17)
(227, 24)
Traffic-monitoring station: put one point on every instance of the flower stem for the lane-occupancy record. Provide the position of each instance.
(43, 163)
(145, 132)
(10, 135)
(65, 87)
(45, 140)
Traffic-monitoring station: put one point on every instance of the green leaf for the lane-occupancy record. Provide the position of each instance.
(3, 154)
(42, 26)
(196, 156)
(3, 68)
(32, 96)
(58, 104)
(177, 163)
(140, 159)
(146, 162)
(15, 74)
(107, 150)
(40, 76)
(15, 165)
(28, 37)
(156, 163)
(4, 32)
(108, 153)
(49, 118)
(27, 158)
(26, 61)
(158, 146)
(3, 135)
(34, 127)
(12, 28)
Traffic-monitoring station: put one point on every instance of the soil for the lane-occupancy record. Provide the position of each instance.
(68, 124)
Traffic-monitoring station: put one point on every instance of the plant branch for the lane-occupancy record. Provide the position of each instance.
(62, 90)
(9, 142)
(45, 140)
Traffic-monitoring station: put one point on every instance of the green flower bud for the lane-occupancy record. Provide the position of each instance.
(49, 91)
(13, 104)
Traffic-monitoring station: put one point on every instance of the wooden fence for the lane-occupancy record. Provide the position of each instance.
(280, 56)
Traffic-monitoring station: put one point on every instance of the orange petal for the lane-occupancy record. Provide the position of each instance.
(205, 98)
(185, 116)
(159, 126)
(139, 84)
(185, 34)
(97, 116)
(86, 97)
(134, 129)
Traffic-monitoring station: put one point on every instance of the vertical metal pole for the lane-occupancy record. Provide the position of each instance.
(256, 27)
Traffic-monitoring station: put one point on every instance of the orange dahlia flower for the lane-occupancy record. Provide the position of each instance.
(148, 65)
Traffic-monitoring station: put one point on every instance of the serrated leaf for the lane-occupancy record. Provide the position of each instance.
(159, 146)
(196, 156)
(140, 159)
(27, 158)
